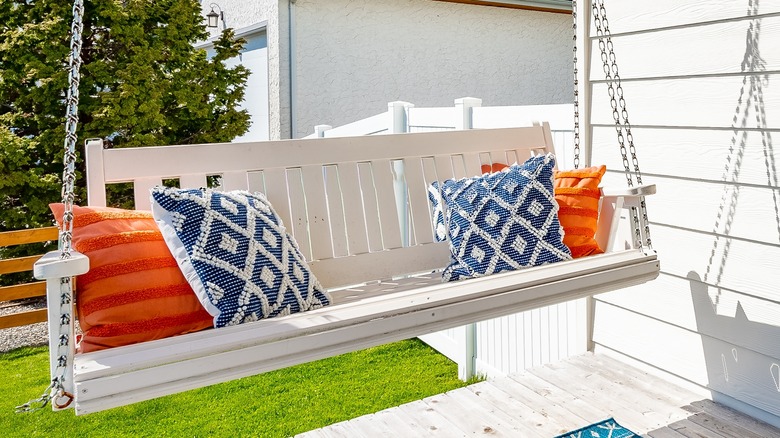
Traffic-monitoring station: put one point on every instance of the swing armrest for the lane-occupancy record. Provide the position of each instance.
(51, 266)
(613, 201)
(628, 192)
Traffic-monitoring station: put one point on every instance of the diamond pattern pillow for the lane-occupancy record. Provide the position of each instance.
(501, 221)
(233, 249)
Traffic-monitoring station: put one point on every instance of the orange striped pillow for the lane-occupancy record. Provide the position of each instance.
(134, 290)
(577, 192)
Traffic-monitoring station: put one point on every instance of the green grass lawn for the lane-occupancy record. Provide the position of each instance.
(276, 404)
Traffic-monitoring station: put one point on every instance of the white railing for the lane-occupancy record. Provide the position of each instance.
(512, 343)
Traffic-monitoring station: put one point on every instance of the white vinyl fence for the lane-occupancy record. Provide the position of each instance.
(468, 113)
(513, 343)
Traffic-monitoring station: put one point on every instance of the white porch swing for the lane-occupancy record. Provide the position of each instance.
(321, 187)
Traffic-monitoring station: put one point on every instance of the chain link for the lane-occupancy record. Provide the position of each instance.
(71, 123)
(56, 393)
(68, 196)
(576, 89)
(620, 116)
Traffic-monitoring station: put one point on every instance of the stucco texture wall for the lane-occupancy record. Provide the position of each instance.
(354, 56)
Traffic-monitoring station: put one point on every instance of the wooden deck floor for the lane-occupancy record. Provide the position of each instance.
(550, 400)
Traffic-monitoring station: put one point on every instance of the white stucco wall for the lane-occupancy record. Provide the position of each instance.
(354, 56)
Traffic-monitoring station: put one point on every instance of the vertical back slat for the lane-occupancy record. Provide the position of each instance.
(443, 167)
(499, 157)
(277, 194)
(300, 224)
(418, 200)
(459, 167)
(336, 211)
(473, 165)
(317, 212)
(234, 181)
(142, 194)
(255, 182)
(370, 207)
(484, 158)
(96, 177)
(354, 214)
(388, 212)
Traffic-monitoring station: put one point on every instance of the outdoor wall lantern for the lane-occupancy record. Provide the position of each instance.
(213, 17)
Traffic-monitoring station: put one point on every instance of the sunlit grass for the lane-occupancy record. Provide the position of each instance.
(276, 404)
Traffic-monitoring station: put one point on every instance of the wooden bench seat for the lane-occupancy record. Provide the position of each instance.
(359, 211)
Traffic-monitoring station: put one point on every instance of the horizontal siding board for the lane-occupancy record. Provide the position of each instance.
(637, 16)
(695, 153)
(668, 53)
(743, 266)
(723, 314)
(743, 212)
(730, 369)
(699, 102)
(703, 127)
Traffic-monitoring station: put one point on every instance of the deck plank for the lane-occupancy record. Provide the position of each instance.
(599, 394)
(634, 378)
(474, 402)
(690, 429)
(653, 413)
(468, 418)
(540, 424)
(730, 430)
(664, 432)
(568, 412)
(581, 411)
(553, 399)
(601, 362)
(432, 422)
(396, 423)
(730, 416)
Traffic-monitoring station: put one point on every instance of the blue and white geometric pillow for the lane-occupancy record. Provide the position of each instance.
(501, 221)
(235, 253)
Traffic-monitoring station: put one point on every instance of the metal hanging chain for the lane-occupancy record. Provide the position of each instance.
(576, 89)
(620, 116)
(56, 393)
(71, 123)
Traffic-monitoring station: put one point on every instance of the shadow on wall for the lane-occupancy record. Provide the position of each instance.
(739, 351)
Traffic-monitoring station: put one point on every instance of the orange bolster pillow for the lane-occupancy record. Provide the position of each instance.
(577, 193)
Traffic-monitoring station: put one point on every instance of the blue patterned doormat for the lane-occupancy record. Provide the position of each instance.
(608, 428)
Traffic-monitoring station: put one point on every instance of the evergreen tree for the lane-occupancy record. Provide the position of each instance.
(142, 83)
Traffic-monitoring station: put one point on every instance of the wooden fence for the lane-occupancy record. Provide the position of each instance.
(33, 289)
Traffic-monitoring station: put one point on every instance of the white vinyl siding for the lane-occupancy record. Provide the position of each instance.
(701, 85)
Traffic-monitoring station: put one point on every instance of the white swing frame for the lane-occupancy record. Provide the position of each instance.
(381, 294)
